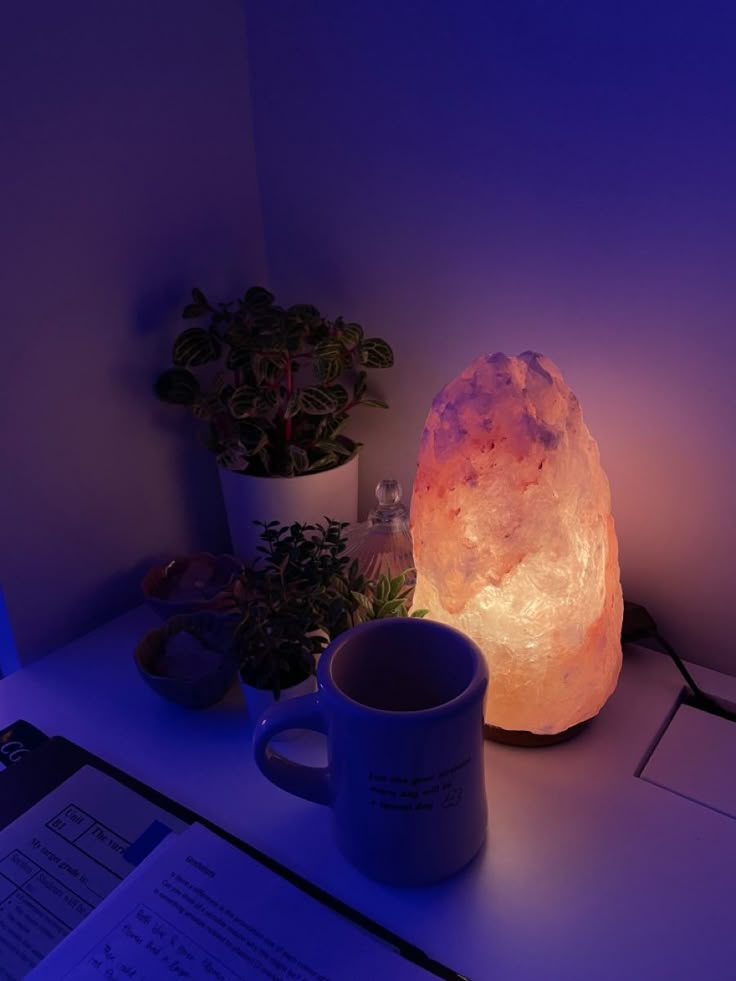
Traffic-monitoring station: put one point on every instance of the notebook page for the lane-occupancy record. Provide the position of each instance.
(201, 910)
(61, 858)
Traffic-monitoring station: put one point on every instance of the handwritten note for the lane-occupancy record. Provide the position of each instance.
(418, 792)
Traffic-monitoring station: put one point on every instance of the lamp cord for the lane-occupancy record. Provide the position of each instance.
(638, 627)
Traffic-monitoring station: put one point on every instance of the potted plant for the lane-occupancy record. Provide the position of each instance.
(274, 388)
(190, 660)
(301, 593)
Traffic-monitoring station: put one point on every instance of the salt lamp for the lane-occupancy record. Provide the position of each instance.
(514, 541)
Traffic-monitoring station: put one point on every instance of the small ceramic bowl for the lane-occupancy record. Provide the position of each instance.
(190, 583)
(190, 660)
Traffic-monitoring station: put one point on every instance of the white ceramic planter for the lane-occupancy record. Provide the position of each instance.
(308, 498)
(257, 700)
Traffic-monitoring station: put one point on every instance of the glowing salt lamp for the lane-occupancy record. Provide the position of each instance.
(514, 542)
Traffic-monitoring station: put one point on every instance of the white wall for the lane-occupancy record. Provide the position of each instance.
(471, 177)
(127, 176)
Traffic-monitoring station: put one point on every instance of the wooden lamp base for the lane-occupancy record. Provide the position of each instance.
(530, 740)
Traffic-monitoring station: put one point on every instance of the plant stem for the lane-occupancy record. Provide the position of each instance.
(289, 389)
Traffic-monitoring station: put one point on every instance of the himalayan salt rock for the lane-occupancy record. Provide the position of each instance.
(514, 541)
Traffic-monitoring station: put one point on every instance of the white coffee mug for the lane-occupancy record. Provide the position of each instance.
(401, 704)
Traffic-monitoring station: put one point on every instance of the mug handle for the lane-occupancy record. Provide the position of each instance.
(310, 782)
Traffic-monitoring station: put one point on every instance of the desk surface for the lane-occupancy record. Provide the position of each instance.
(589, 872)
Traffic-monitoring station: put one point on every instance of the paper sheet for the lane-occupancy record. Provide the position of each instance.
(199, 909)
(61, 858)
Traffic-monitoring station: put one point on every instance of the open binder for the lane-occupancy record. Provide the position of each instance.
(53, 761)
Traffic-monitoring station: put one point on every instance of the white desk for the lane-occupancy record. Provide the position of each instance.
(589, 872)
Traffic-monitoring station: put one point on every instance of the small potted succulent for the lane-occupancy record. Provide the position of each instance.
(274, 388)
(301, 593)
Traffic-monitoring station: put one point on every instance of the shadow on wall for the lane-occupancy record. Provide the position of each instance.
(148, 476)
(157, 319)
(117, 211)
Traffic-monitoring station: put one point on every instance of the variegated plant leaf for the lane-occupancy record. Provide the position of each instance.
(177, 386)
(268, 368)
(350, 334)
(244, 401)
(233, 456)
(196, 346)
(317, 401)
(375, 353)
(299, 459)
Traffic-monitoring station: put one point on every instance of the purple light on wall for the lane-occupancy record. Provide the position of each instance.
(529, 175)
(113, 212)
(8, 652)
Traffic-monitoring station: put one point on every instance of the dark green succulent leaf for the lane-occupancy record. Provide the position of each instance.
(299, 459)
(195, 346)
(350, 334)
(317, 401)
(199, 297)
(392, 608)
(375, 403)
(257, 296)
(375, 353)
(177, 386)
(362, 600)
(301, 594)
